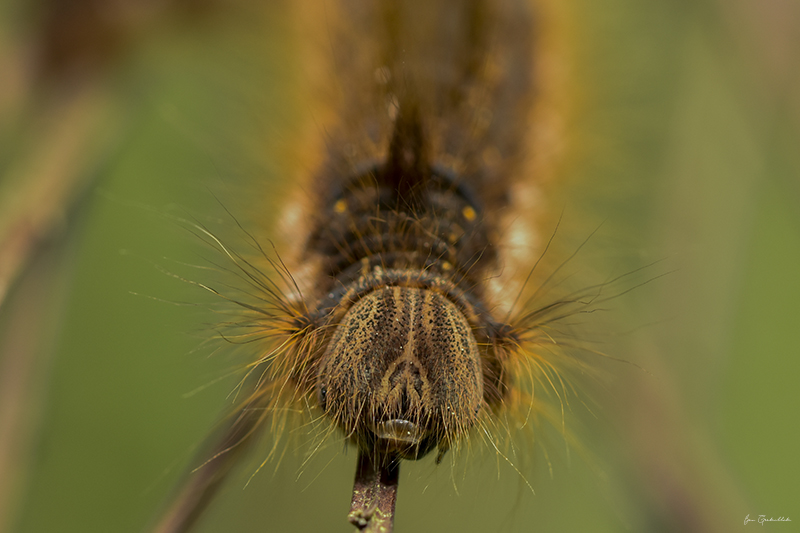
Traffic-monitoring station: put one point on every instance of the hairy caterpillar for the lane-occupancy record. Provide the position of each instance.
(400, 313)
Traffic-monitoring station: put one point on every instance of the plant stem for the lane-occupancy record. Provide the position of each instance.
(374, 493)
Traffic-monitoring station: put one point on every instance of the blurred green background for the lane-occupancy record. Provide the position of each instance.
(690, 127)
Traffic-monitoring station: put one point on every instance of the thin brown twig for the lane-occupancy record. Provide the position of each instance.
(374, 493)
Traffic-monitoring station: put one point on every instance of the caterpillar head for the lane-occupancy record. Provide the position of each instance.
(402, 373)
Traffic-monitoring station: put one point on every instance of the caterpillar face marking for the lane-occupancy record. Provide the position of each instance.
(402, 369)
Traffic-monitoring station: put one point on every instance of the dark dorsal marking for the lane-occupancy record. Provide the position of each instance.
(407, 168)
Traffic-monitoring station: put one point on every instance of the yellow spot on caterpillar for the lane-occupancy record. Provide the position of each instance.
(469, 213)
(340, 206)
